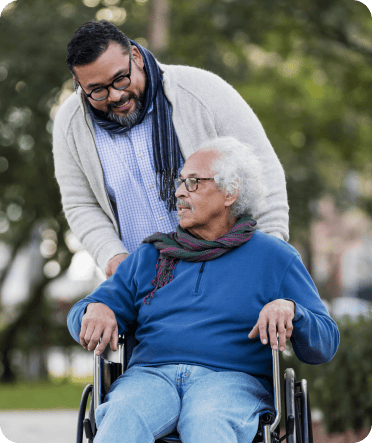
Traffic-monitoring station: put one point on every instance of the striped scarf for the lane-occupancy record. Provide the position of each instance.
(181, 245)
(166, 150)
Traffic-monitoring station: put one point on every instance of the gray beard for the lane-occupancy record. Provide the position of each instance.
(130, 119)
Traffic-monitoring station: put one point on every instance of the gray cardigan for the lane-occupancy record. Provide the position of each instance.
(204, 107)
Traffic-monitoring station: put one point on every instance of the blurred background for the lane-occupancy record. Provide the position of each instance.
(305, 67)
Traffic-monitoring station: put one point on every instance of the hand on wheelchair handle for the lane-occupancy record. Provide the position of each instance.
(99, 322)
(275, 317)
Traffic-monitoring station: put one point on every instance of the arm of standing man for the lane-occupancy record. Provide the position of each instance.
(204, 107)
(236, 118)
(80, 178)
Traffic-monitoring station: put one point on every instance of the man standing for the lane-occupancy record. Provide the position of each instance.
(201, 296)
(120, 141)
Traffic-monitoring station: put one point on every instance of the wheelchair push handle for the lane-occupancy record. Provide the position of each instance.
(276, 382)
(96, 380)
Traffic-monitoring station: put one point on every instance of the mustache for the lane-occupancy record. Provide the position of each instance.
(114, 105)
(185, 204)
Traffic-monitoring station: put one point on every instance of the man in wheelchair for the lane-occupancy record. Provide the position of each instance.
(208, 300)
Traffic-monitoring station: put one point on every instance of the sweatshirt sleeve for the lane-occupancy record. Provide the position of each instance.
(117, 292)
(315, 337)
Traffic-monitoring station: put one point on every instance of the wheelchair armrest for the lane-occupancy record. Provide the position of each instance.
(106, 372)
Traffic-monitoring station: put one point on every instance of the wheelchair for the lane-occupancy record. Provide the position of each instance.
(298, 424)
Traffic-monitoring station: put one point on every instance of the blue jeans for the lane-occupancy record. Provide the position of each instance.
(205, 406)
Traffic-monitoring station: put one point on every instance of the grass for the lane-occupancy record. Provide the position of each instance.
(55, 394)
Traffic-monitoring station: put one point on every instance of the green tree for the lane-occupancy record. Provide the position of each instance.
(305, 68)
(33, 80)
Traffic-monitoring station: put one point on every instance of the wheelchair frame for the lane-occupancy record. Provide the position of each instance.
(297, 403)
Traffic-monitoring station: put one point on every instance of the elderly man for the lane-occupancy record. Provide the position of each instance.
(120, 141)
(201, 297)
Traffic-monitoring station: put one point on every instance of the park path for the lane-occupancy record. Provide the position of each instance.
(38, 426)
(60, 427)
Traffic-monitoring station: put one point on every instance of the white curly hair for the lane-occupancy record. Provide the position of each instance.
(238, 168)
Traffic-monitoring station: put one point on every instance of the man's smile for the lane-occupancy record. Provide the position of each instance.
(123, 105)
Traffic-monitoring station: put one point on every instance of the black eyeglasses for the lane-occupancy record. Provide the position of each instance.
(120, 83)
(191, 183)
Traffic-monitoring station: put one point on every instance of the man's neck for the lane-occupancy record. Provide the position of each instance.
(211, 233)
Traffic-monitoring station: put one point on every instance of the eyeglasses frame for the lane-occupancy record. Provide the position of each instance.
(183, 180)
(89, 94)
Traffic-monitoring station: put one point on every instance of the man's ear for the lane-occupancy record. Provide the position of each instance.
(230, 199)
(76, 83)
(137, 56)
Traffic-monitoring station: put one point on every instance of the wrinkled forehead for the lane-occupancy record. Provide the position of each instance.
(200, 164)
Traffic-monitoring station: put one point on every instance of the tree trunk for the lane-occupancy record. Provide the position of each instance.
(29, 312)
(158, 25)
(18, 243)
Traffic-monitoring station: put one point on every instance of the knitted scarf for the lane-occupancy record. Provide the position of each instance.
(166, 150)
(181, 245)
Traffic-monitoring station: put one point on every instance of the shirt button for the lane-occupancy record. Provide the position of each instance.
(161, 218)
(141, 155)
(151, 186)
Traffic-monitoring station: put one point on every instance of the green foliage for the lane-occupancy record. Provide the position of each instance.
(342, 388)
(305, 68)
(34, 79)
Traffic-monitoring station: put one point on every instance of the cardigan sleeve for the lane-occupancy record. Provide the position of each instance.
(234, 117)
(315, 337)
(87, 217)
(204, 107)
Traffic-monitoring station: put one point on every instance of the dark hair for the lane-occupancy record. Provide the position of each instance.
(91, 40)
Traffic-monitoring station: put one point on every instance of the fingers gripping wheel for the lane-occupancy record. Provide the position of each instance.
(297, 409)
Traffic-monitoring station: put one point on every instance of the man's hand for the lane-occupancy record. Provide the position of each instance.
(277, 316)
(99, 321)
(114, 263)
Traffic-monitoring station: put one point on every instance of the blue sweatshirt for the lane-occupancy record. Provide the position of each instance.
(204, 315)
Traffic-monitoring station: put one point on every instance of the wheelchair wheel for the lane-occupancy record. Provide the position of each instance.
(88, 390)
(86, 424)
(297, 409)
(292, 415)
(307, 430)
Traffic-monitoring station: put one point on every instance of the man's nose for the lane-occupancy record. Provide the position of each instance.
(114, 95)
(181, 191)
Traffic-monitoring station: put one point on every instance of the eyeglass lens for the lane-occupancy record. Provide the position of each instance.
(190, 183)
(120, 83)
